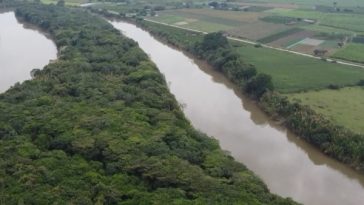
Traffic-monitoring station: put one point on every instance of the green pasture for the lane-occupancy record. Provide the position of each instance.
(293, 73)
(344, 107)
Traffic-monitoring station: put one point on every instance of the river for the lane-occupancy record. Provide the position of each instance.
(22, 48)
(288, 165)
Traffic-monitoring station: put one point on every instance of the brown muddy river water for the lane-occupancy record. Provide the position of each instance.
(289, 166)
(22, 49)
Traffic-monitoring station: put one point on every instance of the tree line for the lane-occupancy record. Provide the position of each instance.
(217, 51)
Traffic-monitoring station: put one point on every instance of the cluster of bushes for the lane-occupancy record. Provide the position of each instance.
(99, 126)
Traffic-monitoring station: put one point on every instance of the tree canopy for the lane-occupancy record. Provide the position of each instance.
(99, 126)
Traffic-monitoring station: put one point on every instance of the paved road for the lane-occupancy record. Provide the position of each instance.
(263, 45)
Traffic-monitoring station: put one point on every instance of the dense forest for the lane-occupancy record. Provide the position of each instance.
(336, 141)
(99, 126)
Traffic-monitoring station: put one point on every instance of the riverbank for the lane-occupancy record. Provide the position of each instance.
(335, 141)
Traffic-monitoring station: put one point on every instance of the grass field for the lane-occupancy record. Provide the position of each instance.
(344, 107)
(351, 52)
(292, 73)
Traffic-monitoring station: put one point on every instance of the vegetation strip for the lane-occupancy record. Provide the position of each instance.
(99, 126)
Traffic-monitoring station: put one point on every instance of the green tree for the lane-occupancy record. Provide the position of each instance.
(213, 41)
(259, 84)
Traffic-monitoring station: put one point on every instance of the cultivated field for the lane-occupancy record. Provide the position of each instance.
(259, 26)
(292, 73)
(291, 33)
(237, 23)
(344, 107)
(309, 45)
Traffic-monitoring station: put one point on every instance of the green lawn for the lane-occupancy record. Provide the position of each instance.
(292, 73)
(344, 107)
(352, 52)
